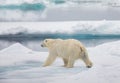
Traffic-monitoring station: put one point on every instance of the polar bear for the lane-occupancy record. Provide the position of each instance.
(69, 50)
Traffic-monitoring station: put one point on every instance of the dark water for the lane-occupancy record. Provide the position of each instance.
(35, 44)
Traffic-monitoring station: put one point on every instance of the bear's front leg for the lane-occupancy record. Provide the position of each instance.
(70, 62)
(50, 60)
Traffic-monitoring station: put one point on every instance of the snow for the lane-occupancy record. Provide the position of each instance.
(38, 27)
(80, 27)
(19, 64)
(65, 2)
(11, 10)
(17, 53)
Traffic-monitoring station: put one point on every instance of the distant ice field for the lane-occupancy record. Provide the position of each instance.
(31, 34)
(59, 10)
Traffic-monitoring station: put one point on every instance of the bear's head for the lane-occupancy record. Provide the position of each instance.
(47, 43)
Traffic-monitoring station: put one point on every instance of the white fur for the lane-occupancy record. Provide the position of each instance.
(69, 50)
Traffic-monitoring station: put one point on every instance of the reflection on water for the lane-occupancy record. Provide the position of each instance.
(35, 44)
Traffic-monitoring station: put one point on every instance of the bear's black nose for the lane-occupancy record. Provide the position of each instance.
(41, 45)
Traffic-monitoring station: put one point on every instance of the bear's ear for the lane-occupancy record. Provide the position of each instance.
(46, 40)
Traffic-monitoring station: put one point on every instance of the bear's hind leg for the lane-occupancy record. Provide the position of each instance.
(70, 62)
(87, 61)
(65, 62)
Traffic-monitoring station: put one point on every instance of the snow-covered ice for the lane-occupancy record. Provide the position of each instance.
(59, 10)
(19, 64)
(70, 27)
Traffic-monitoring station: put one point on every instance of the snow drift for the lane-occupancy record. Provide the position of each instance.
(20, 64)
